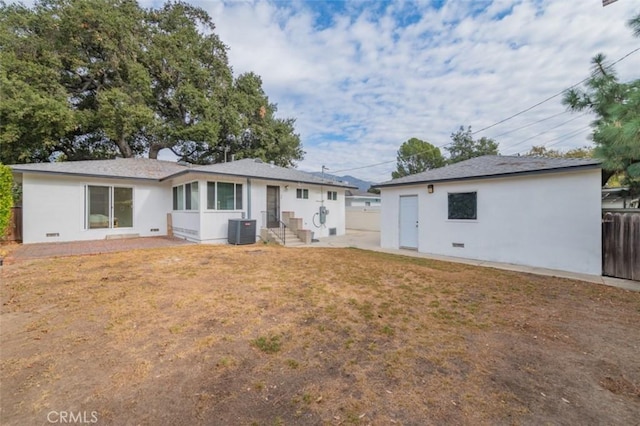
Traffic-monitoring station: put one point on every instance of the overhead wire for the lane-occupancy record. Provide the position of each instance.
(548, 130)
(559, 139)
(553, 96)
(505, 119)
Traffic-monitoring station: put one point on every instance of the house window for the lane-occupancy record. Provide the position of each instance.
(109, 207)
(224, 196)
(463, 205)
(191, 201)
(332, 195)
(185, 197)
(302, 193)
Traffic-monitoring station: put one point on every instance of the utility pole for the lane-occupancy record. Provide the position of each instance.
(322, 187)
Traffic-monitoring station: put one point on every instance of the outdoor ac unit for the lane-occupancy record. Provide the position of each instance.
(242, 231)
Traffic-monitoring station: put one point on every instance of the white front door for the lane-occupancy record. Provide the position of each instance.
(409, 222)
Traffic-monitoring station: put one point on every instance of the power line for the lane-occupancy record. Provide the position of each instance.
(531, 124)
(559, 139)
(505, 119)
(553, 96)
(548, 130)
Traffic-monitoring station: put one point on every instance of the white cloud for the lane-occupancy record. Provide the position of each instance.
(365, 82)
(367, 78)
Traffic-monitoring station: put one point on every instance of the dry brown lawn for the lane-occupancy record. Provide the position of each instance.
(272, 336)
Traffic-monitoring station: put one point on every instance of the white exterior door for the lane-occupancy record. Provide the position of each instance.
(409, 222)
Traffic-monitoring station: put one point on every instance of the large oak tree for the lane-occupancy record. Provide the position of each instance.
(85, 79)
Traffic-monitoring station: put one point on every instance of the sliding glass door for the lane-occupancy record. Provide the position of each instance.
(109, 207)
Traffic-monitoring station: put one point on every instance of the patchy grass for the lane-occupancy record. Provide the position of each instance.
(267, 344)
(266, 335)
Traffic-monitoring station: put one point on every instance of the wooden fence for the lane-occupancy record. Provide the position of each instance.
(14, 233)
(621, 245)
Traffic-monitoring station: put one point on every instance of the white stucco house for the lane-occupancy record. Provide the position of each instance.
(356, 198)
(541, 212)
(89, 200)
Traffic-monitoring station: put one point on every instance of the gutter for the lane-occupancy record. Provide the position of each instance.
(495, 176)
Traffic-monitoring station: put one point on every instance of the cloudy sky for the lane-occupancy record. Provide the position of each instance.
(362, 77)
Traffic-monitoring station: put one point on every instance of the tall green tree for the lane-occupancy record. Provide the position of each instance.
(84, 79)
(464, 147)
(416, 156)
(191, 78)
(616, 128)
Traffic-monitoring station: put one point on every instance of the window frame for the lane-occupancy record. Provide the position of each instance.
(183, 197)
(302, 193)
(110, 206)
(332, 195)
(460, 215)
(237, 196)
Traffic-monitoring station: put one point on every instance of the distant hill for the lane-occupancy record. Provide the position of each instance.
(362, 185)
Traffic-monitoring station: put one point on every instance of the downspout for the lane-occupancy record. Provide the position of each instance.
(248, 198)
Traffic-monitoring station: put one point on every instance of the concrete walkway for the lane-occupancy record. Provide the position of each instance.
(369, 240)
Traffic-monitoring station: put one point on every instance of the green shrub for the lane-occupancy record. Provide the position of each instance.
(6, 198)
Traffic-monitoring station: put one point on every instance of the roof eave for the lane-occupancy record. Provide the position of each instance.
(93, 175)
(249, 176)
(495, 176)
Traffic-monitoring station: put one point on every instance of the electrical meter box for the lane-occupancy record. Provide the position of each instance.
(323, 214)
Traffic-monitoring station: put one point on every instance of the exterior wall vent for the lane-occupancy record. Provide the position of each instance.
(155, 230)
(53, 234)
(333, 231)
(459, 245)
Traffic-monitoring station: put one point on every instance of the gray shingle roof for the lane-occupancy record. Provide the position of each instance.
(144, 168)
(257, 169)
(494, 166)
(136, 168)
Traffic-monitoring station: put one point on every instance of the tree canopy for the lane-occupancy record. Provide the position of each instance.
(416, 156)
(464, 147)
(616, 128)
(86, 79)
(542, 151)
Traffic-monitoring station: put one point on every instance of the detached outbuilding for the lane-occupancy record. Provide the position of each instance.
(540, 212)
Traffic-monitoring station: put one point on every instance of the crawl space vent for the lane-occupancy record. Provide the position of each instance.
(333, 231)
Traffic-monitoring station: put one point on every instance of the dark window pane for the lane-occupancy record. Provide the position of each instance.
(226, 196)
(178, 197)
(123, 207)
(175, 198)
(192, 198)
(238, 196)
(187, 200)
(98, 208)
(211, 195)
(463, 205)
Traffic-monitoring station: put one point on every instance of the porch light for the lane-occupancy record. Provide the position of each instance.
(430, 189)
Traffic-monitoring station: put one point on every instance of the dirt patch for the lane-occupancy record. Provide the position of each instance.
(266, 335)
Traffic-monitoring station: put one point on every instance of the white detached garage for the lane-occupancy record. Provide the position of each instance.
(541, 212)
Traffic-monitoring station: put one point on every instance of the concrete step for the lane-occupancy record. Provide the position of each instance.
(291, 239)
